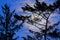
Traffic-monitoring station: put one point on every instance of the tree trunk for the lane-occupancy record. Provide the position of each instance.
(46, 29)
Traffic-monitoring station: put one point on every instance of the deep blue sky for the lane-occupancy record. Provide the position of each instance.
(17, 4)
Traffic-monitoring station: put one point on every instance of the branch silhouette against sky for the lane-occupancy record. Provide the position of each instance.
(45, 12)
(31, 19)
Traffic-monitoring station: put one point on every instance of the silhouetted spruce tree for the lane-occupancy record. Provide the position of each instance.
(7, 24)
(45, 12)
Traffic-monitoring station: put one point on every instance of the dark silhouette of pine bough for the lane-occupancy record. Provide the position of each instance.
(22, 18)
(44, 11)
(7, 24)
(54, 34)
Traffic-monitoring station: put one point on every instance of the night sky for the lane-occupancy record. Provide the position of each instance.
(17, 4)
